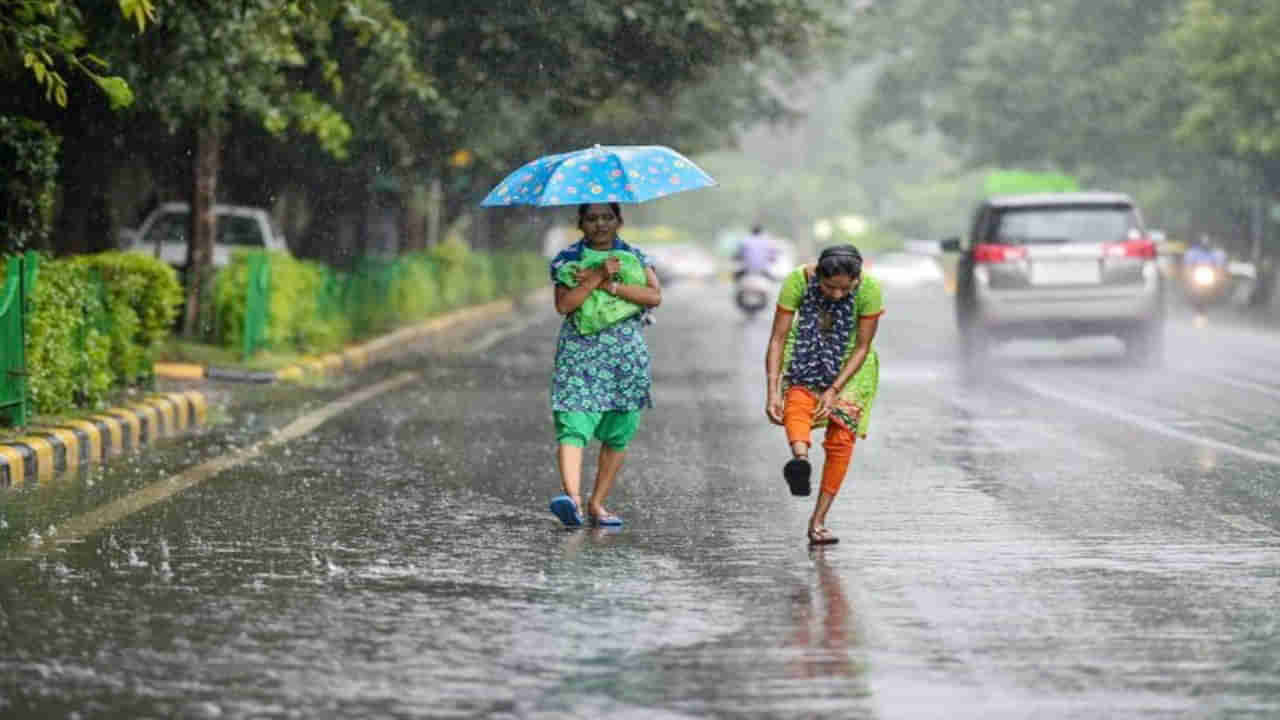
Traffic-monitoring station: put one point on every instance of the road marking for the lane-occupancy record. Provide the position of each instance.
(1146, 423)
(493, 336)
(81, 526)
(1242, 384)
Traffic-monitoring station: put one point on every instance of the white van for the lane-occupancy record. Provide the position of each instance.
(164, 233)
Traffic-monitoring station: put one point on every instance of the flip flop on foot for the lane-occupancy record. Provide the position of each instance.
(822, 536)
(606, 519)
(567, 510)
(796, 471)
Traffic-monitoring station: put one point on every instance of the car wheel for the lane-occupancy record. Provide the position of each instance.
(1145, 345)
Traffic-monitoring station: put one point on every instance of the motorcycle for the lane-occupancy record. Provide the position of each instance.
(1205, 284)
(753, 292)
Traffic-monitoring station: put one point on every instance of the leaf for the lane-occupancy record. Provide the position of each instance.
(118, 92)
(139, 12)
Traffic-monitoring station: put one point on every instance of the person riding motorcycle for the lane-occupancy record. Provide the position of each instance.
(754, 279)
(1204, 273)
(756, 254)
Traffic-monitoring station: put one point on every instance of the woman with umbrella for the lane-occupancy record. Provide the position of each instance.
(600, 385)
(601, 381)
(822, 371)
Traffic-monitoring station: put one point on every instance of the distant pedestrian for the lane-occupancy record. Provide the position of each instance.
(601, 383)
(822, 371)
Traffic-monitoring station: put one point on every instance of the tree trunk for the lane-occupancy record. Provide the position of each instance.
(203, 225)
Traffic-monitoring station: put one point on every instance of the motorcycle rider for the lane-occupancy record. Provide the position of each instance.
(756, 254)
(1204, 252)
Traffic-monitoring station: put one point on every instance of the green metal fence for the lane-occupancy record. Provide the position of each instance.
(257, 304)
(378, 294)
(20, 279)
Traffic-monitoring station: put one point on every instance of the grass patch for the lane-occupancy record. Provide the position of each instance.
(177, 350)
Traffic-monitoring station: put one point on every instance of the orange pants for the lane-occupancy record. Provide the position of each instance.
(797, 418)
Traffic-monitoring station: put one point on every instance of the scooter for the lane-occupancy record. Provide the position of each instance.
(753, 292)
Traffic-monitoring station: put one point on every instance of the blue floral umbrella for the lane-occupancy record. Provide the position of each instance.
(609, 173)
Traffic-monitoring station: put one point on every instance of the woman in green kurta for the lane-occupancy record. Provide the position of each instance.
(822, 370)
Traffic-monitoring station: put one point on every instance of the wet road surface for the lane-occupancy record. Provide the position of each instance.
(1060, 536)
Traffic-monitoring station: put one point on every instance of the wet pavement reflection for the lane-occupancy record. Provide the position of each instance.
(1001, 555)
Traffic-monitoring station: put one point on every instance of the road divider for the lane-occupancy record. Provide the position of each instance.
(47, 450)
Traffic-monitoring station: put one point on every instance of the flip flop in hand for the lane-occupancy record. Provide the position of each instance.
(797, 471)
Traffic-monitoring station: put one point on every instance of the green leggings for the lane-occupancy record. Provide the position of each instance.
(614, 428)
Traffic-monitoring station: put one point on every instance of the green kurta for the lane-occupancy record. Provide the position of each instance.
(861, 388)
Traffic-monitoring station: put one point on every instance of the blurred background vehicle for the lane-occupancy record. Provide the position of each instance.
(905, 269)
(681, 262)
(163, 233)
(1058, 265)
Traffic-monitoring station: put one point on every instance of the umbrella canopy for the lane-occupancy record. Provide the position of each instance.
(609, 173)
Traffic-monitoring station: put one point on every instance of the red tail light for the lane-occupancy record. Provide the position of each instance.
(988, 253)
(1142, 248)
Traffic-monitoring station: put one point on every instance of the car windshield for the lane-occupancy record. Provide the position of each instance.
(236, 230)
(232, 230)
(168, 228)
(1057, 225)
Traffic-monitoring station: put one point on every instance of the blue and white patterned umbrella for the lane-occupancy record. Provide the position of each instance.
(609, 173)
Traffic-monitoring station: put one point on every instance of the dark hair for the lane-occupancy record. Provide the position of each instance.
(840, 260)
(615, 207)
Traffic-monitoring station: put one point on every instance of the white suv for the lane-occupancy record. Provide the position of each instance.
(164, 233)
(1059, 265)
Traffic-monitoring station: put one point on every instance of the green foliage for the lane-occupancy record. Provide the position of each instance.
(1228, 48)
(481, 282)
(295, 317)
(45, 35)
(517, 273)
(142, 296)
(1133, 95)
(415, 293)
(95, 322)
(450, 261)
(314, 309)
(68, 353)
(29, 154)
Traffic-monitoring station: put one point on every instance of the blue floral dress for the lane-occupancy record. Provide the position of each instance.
(606, 370)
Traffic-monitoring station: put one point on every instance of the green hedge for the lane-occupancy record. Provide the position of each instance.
(316, 309)
(94, 323)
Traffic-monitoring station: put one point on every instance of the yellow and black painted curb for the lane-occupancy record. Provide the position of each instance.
(49, 450)
(355, 357)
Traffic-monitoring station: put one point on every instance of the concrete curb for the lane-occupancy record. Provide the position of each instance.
(355, 357)
(49, 450)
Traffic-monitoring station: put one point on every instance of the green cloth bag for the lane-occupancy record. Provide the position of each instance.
(600, 309)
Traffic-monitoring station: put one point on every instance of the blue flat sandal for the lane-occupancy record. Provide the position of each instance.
(606, 520)
(567, 510)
